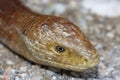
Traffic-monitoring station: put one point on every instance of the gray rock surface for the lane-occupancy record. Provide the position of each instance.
(104, 33)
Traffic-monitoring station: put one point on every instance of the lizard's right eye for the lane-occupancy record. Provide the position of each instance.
(59, 49)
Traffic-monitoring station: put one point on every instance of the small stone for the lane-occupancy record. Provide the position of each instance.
(73, 4)
(82, 23)
(110, 35)
(109, 8)
(9, 62)
(59, 8)
(54, 77)
(89, 17)
(17, 78)
(1, 71)
(44, 1)
(50, 72)
(1, 46)
(99, 46)
(23, 69)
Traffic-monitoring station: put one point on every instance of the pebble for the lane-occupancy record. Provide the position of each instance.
(1, 71)
(23, 68)
(99, 46)
(54, 77)
(58, 8)
(110, 35)
(45, 1)
(82, 23)
(10, 62)
(1, 46)
(49, 72)
(109, 8)
(73, 4)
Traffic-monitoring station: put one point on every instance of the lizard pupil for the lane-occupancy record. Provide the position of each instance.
(60, 49)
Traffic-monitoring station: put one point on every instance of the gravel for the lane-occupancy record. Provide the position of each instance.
(103, 32)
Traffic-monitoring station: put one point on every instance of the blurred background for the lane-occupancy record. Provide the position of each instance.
(98, 19)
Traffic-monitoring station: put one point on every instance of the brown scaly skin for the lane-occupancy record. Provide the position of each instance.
(35, 37)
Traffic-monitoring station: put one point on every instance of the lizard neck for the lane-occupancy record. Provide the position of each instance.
(9, 7)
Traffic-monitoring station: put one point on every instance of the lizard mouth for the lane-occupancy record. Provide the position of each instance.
(77, 68)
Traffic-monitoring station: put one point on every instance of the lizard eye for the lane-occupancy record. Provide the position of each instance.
(59, 49)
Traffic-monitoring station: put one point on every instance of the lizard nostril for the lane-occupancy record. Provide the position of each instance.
(86, 60)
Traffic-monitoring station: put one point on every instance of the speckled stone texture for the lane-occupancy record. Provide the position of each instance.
(103, 32)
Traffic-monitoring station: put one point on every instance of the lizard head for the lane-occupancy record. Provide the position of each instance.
(59, 43)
